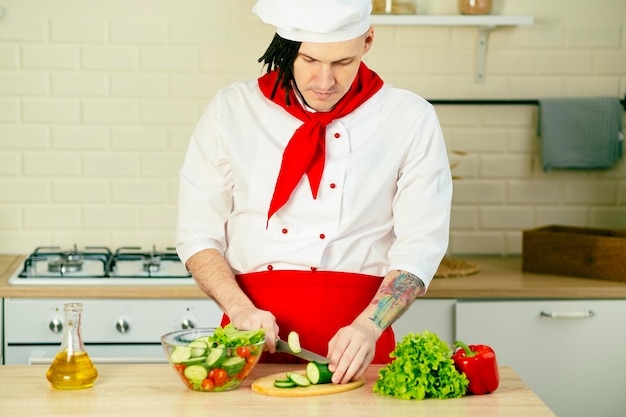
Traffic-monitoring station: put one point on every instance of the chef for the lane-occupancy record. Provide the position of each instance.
(316, 198)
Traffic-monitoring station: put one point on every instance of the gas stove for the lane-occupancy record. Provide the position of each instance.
(98, 265)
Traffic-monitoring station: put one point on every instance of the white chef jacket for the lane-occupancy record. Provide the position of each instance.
(383, 203)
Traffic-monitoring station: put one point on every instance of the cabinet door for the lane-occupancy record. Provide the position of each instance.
(568, 352)
(434, 315)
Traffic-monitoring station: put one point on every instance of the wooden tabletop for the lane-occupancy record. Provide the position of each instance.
(499, 277)
(156, 391)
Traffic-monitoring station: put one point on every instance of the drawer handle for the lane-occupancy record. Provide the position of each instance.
(568, 314)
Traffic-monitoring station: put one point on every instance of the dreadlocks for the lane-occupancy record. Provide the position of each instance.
(280, 56)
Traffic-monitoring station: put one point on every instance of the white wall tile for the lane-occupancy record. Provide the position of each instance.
(53, 110)
(21, 190)
(24, 137)
(49, 56)
(9, 110)
(110, 57)
(10, 217)
(9, 56)
(78, 31)
(79, 137)
(13, 83)
(80, 190)
(51, 164)
(52, 217)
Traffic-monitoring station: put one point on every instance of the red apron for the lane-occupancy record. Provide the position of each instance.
(314, 304)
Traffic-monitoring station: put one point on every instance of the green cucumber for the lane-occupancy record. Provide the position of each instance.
(194, 360)
(318, 373)
(299, 379)
(180, 354)
(215, 357)
(205, 339)
(198, 348)
(195, 372)
(284, 383)
(233, 365)
(293, 341)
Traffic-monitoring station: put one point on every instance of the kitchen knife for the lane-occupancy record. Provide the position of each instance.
(307, 355)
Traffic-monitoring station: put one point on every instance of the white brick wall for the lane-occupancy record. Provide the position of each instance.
(98, 100)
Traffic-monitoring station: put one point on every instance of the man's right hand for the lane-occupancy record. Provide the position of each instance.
(215, 277)
(253, 318)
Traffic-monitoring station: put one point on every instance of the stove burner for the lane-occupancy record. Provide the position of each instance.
(68, 262)
(65, 265)
(152, 265)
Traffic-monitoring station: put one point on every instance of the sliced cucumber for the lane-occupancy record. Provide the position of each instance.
(233, 365)
(299, 379)
(293, 340)
(180, 354)
(196, 372)
(204, 339)
(318, 373)
(198, 348)
(215, 357)
(194, 360)
(284, 383)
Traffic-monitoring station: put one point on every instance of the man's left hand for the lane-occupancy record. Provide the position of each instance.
(352, 350)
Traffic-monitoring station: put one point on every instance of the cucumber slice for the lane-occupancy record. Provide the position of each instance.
(204, 339)
(198, 348)
(180, 354)
(233, 365)
(284, 383)
(318, 373)
(293, 340)
(196, 372)
(215, 357)
(299, 379)
(194, 360)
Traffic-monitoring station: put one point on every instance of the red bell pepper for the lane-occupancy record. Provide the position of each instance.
(479, 364)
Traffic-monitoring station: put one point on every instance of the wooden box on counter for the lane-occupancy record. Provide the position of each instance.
(575, 251)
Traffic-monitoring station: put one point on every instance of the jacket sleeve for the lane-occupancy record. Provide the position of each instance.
(205, 188)
(422, 203)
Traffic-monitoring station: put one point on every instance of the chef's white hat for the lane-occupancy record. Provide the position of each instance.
(316, 20)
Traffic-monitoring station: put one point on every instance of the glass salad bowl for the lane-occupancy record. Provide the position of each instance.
(213, 359)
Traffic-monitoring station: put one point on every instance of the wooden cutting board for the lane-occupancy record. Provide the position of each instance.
(266, 386)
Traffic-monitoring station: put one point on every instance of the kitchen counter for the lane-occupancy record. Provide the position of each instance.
(155, 391)
(499, 277)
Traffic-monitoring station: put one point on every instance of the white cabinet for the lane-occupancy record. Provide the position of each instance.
(569, 352)
(434, 315)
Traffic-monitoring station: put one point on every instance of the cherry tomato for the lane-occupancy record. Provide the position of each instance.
(208, 384)
(180, 367)
(219, 376)
(243, 351)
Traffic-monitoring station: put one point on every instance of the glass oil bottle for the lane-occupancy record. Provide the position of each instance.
(72, 368)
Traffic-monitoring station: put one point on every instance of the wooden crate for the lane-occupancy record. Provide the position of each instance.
(575, 251)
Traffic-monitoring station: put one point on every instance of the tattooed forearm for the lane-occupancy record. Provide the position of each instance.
(397, 292)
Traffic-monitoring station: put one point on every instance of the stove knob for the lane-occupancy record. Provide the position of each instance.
(56, 326)
(187, 324)
(122, 326)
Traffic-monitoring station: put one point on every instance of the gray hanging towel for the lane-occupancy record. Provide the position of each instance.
(580, 133)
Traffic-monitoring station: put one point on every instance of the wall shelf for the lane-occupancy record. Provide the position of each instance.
(485, 22)
(450, 20)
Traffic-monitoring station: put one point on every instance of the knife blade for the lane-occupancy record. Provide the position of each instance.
(307, 355)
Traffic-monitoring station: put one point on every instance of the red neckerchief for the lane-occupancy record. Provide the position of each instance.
(305, 152)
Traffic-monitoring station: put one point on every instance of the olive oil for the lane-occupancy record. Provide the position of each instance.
(72, 371)
(72, 368)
